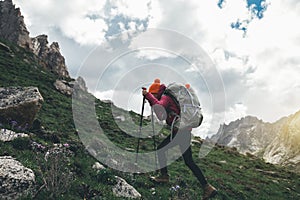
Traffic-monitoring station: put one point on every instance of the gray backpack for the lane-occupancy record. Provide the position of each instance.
(186, 99)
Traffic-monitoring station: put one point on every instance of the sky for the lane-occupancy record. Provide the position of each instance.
(241, 56)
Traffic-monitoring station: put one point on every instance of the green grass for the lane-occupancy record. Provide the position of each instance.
(239, 177)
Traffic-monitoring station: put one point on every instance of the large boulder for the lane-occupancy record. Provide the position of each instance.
(15, 179)
(19, 106)
(123, 189)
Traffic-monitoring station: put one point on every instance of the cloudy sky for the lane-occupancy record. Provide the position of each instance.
(252, 45)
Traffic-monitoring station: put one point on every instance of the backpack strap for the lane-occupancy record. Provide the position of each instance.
(169, 93)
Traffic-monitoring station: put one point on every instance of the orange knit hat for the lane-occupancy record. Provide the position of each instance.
(154, 88)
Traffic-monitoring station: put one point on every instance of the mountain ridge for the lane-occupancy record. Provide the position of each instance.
(274, 142)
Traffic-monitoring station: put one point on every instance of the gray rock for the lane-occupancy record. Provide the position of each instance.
(98, 166)
(67, 88)
(8, 135)
(50, 55)
(5, 47)
(63, 87)
(12, 26)
(16, 180)
(79, 84)
(20, 105)
(123, 189)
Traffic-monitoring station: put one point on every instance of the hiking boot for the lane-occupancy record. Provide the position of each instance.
(209, 191)
(160, 178)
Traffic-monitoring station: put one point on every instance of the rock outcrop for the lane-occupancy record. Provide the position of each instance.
(12, 26)
(19, 105)
(277, 142)
(63, 87)
(68, 88)
(123, 189)
(248, 135)
(16, 180)
(50, 55)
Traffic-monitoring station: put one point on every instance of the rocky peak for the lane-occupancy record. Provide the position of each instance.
(50, 55)
(277, 142)
(248, 134)
(12, 26)
(39, 45)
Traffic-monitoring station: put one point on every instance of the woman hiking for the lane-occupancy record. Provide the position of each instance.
(178, 136)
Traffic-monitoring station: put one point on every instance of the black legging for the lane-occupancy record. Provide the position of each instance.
(183, 139)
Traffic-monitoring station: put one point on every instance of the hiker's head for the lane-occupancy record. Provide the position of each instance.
(188, 86)
(154, 88)
(157, 89)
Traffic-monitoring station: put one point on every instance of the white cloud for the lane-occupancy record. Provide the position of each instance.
(236, 112)
(133, 9)
(105, 95)
(72, 18)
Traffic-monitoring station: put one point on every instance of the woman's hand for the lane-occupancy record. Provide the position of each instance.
(144, 92)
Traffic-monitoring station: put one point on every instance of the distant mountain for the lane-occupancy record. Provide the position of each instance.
(285, 147)
(277, 142)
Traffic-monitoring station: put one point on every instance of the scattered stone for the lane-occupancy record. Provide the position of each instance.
(129, 149)
(8, 135)
(19, 105)
(123, 189)
(98, 166)
(16, 180)
(197, 140)
(63, 87)
(275, 181)
(5, 48)
(67, 88)
(120, 118)
(223, 161)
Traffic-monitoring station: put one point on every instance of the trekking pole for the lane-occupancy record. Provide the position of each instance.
(153, 136)
(140, 128)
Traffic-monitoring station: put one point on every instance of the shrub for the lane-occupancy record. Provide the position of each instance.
(21, 143)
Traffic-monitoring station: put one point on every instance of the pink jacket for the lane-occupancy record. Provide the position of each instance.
(166, 102)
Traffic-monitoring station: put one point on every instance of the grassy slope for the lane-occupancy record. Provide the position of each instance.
(240, 177)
